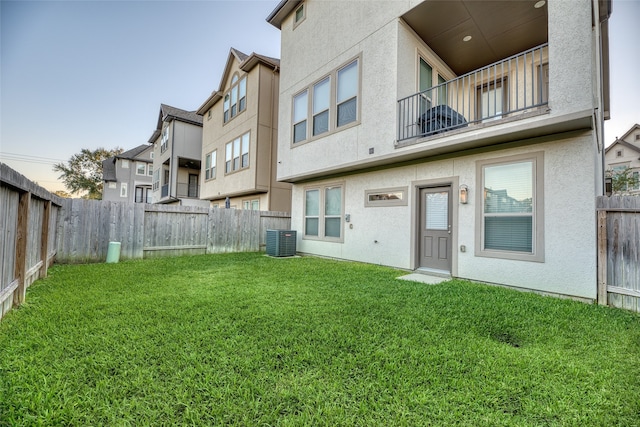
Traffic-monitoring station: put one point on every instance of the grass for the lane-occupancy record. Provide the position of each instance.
(243, 339)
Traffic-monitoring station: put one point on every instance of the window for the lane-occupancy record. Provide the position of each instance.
(143, 194)
(323, 212)
(321, 106)
(209, 115)
(510, 217)
(125, 164)
(151, 155)
(210, 165)
(386, 197)
(619, 153)
(347, 94)
(299, 16)
(123, 189)
(235, 100)
(253, 205)
(113, 185)
(237, 154)
(300, 117)
(141, 168)
(328, 104)
(164, 142)
(150, 169)
(156, 179)
(638, 137)
(492, 100)
(426, 76)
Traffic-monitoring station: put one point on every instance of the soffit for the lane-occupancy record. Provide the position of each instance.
(498, 29)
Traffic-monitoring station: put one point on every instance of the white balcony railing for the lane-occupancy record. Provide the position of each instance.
(513, 86)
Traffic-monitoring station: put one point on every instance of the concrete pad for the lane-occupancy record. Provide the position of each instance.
(424, 278)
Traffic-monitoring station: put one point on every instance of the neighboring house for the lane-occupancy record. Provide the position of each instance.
(240, 136)
(458, 137)
(127, 176)
(177, 147)
(623, 154)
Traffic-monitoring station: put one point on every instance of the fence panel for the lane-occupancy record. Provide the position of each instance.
(622, 259)
(175, 230)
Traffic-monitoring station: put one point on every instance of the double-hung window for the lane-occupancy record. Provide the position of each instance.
(141, 168)
(323, 212)
(210, 165)
(510, 214)
(237, 154)
(327, 105)
(235, 100)
(164, 142)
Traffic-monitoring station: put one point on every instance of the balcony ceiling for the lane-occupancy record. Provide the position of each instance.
(498, 29)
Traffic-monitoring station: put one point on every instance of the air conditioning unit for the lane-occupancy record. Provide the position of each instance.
(281, 243)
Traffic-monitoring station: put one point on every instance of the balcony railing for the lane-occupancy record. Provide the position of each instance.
(188, 190)
(164, 191)
(513, 86)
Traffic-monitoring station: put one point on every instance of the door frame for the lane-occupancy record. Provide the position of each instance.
(416, 186)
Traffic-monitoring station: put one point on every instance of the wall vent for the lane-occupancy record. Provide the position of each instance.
(281, 243)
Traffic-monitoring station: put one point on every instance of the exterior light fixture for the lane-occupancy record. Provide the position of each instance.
(464, 193)
(466, 38)
(539, 4)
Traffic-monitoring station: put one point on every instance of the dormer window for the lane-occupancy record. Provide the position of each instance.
(235, 100)
(619, 153)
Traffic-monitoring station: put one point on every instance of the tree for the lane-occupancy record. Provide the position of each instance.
(623, 180)
(83, 172)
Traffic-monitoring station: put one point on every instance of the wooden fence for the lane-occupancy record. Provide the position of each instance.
(619, 251)
(87, 226)
(28, 219)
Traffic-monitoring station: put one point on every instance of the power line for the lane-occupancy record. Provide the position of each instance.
(27, 157)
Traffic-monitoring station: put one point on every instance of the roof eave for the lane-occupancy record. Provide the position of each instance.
(210, 102)
(280, 13)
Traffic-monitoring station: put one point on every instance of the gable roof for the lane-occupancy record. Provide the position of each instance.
(133, 153)
(169, 113)
(282, 10)
(109, 169)
(621, 141)
(247, 63)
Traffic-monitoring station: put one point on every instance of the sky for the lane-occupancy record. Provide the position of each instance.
(89, 74)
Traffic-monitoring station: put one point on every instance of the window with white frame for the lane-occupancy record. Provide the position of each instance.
(210, 165)
(150, 169)
(323, 212)
(125, 164)
(235, 100)
(123, 189)
(156, 179)
(510, 212)
(253, 205)
(164, 142)
(143, 194)
(327, 105)
(141, 168)
(237, 154)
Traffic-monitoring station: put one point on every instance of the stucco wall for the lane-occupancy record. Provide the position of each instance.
(569, 219)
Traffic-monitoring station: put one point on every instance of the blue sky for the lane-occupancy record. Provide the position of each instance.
(88, 74)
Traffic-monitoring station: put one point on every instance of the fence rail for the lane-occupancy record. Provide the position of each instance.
(144, 230)
(28, 217)
(619, 251)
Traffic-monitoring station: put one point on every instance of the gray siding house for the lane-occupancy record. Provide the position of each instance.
(177, 148)
(127, 176)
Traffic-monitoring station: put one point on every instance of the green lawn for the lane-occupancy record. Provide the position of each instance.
(244, 339)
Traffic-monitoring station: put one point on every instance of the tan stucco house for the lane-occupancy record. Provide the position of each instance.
(456, 137)
(239, 137)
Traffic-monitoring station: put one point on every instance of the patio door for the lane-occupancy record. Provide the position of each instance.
(435, 228)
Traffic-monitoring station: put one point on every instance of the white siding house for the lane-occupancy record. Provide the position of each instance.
(458, 137)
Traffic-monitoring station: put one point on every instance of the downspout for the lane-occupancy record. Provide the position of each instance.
(271, 166)
(172, 165)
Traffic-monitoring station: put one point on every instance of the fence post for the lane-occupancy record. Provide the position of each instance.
(602, 257)
(44, 239)
(21, 247)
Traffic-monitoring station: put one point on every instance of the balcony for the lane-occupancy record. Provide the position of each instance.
(164, 191)
(512, 87)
